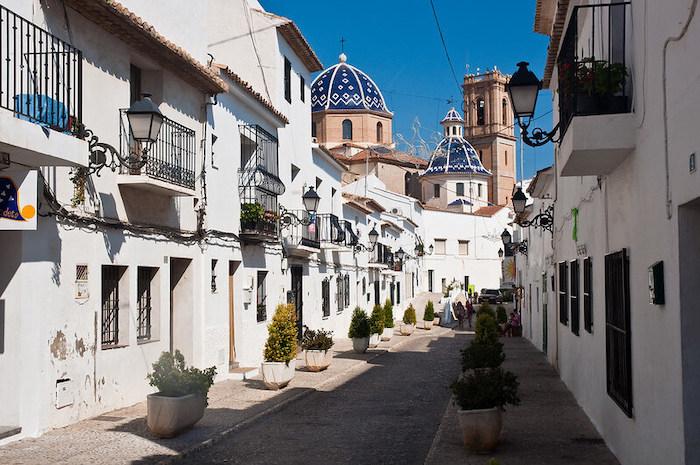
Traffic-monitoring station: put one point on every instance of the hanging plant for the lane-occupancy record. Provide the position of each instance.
(78, 177)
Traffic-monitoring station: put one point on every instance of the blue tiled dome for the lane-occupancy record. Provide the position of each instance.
(344, 87)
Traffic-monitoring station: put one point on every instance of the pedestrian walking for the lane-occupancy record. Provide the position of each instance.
(461, 312)
(470, 312)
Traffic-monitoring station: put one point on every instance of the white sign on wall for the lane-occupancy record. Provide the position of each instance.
(18, 193)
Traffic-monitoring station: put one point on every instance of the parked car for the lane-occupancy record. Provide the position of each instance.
(490, 296)
(507, 293)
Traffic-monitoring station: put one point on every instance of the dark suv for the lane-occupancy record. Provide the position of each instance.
(490, 296)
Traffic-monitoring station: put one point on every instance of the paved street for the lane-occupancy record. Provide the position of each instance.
(388, 414)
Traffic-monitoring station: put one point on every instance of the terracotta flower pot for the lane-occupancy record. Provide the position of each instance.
(169, 416)
(360, 344)
(387, 334)
(277, 375)
(481, 429)
(374, 339)
(318, 360)
(407, 330)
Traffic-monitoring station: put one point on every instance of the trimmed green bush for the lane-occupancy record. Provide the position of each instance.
(281, 345)
(317, 340)
(359, 325)
(485, 309)
(489, 388)
(486, 330)
(376, 321)
(478, 355)
(501, 315)
(388, 314)
(409, 315)
(173, 379)
(429, 314)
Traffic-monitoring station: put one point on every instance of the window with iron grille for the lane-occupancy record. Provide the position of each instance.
(398, 292)
(392, 286)
(563, 294)
(262, 297)
(575, 317)
(347, 290)
(145, 307)
(326, 297)
(287, 80)
(436, 190)
(110, 304)
(588, 294)
(340, 293)
(460, 189)
(302, 88)
(618, 346)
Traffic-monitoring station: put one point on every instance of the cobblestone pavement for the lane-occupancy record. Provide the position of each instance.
(386, 413)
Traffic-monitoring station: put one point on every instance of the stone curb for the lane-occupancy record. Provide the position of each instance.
(217, 437)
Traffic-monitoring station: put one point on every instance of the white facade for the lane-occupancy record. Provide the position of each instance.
(628, 182)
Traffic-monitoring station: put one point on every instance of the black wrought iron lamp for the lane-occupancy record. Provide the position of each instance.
(523, 89)
(310, 199)
(145, 120)
(373, 237)
(543, 220)
(508, 243)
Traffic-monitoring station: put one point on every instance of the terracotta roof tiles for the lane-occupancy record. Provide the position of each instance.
(245, 86)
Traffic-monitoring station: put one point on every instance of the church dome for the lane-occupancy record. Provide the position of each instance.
(344, 87)
(454, 154)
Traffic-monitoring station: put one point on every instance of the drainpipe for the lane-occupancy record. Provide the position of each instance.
(678, 38)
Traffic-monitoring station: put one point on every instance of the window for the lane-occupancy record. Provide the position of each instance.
(460, 189)
(113, 288)
(145, 302)
(392, 288)
(618, 347)
(313, 129)
(436, 191)
(454, 130)
(479, 190)
(380, 132)
(262, 297)
(347, 129)
(430, 280)
(440, 246)
(302, 88)
(407, 183)
(326, 297)
(398, 293)
(504, 112)
(563, 294)
(575, 318)
(506, 158)
(347, 290)
(588, 294)
(340, 293)
(134, 84)
(376, 293)
(464, 248)
(364, 285)
(287, 80)
(481, 156)
(480, 112)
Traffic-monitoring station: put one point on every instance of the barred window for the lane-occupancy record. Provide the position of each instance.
(563, 294)
(340, 293)
(262, 297)
(398, 292)
(347, 290)
(287, 80)
(588, 294)
(618, 346)
(326, 297)
(145, 306)
(575, 318)
(111, 304)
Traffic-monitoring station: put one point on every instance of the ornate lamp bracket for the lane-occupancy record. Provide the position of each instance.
(104, 155)
(543, 220)
(539, 136)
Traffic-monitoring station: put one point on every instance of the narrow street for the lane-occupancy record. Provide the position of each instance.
(387, 414)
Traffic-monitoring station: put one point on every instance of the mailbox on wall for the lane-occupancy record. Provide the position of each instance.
(656, 284)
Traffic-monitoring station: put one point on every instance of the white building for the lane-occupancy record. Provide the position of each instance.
(625, 193)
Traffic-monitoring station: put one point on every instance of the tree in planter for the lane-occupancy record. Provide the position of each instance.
(484, 389)
(429, 314)
(501, 315)
(485, 309)
(377, 320)
(359, 324)
(482, 355)
(173, 379)
(317, 340)
(409, 315)
(388, 314)
(486, 330)
(281, 345)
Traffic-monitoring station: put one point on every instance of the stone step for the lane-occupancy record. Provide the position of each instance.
(7, 431)
(241, 373)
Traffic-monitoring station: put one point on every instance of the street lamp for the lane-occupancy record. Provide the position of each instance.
(373, 237)
(506, 237)
(400, 254)
(145, 120)
(513, 246)
(519, 201)
(430, 249)
(500, 253)
(523, 88)
(311, 200)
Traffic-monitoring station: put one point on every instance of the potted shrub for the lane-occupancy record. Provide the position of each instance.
(409, 321)
(428, 315)
(181, 397)
(388, 321)
(485, 309)
(376, 325)
(251, 214)
(481, 396)
(316, 346)
(484, 351)
(280, 348)
(598, 85)
(359, 331)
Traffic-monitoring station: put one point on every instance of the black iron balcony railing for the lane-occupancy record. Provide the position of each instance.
(41, 76)
(304, 234)
(351, 239)
(594, 62)
(382, 255)
(331, 229)
(171, 158)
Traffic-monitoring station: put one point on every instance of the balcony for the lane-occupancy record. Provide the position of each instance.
(302, 240)
(40, 95)
(383, 258)
(170, 169)
(259, 185)
(334, 232)
(595, 90)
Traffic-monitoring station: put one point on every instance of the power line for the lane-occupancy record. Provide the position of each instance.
(444, 46)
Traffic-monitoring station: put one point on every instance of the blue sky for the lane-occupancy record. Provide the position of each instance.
(397, 43)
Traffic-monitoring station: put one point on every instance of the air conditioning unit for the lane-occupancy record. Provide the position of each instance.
(396, 211)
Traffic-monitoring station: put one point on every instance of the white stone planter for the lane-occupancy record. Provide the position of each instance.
(318, 360)
(406, 330)
(481, 429)
(169, 416)
(374, 339)
(277, 375)
(387, 334)
(360, 344)
(436, 321)
(428, 324)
